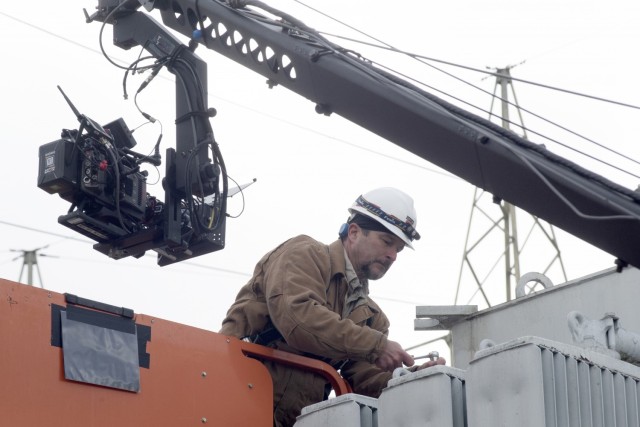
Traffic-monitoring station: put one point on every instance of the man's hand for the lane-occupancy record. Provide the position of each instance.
(438, 361)
(393, 356)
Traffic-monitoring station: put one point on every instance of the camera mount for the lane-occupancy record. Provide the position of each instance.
(95, 169)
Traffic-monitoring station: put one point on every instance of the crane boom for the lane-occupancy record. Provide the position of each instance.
(496, 160)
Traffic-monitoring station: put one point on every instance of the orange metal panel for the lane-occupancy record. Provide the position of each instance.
(195, 377)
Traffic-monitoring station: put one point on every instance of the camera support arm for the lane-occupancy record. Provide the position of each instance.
(139, 29)
(339, 81)
(336, 80)
(189, 170)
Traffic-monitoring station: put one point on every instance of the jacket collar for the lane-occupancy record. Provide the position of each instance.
(336, 257)
(338, 267)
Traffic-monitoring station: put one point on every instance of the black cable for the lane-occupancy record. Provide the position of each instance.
(116, 191)
(134, 67)
(238, 4)
(288, 22)
(522, 125)
(195, 106)
(104, 23)
(559, 194)
(113, 155)
(188, 186)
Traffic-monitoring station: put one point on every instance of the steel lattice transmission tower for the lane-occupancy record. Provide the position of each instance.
(501, 227)
(29, 262)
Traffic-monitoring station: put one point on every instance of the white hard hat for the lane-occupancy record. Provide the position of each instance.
(392, 208)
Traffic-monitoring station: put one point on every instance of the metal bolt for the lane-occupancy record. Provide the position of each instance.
(250, 385)
(204, 374)
(433, 356)
(204, 420)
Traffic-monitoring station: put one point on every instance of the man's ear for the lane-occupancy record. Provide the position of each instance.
(353, 230)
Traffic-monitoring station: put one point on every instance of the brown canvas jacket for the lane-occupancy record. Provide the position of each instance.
(300, 288)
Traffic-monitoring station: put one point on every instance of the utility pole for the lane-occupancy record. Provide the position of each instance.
(506, 223)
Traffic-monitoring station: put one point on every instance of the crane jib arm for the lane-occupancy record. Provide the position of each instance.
(524, 174)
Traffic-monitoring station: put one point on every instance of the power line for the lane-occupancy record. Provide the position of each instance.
(24, 227)
(192, 264)
(58, 36)
(490, 73)
(385, 46)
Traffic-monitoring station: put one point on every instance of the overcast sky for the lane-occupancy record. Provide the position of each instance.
(309, 168)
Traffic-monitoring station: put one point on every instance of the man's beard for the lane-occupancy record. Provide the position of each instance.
(369, 273)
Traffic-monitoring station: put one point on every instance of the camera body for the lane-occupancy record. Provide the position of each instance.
(95, 169)
(101, 180)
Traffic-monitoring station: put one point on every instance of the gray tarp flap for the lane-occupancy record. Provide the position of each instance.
(100, 355)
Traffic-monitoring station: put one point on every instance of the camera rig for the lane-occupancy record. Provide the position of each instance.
(95, 168)
(338, 81)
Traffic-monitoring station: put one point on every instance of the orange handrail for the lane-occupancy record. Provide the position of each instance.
(340, 386)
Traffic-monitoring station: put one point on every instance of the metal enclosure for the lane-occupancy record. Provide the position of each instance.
(433, 397)
(532, 382)
(348, 410)
(526, 382)
(544, 313)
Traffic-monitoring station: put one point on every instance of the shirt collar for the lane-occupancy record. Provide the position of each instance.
(351, 276)
(357, 290)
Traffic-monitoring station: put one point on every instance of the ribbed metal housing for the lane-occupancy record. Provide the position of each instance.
(539, 383)
(579, 393)
(527, 382)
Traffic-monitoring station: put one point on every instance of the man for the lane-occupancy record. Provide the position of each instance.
(309, 298)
